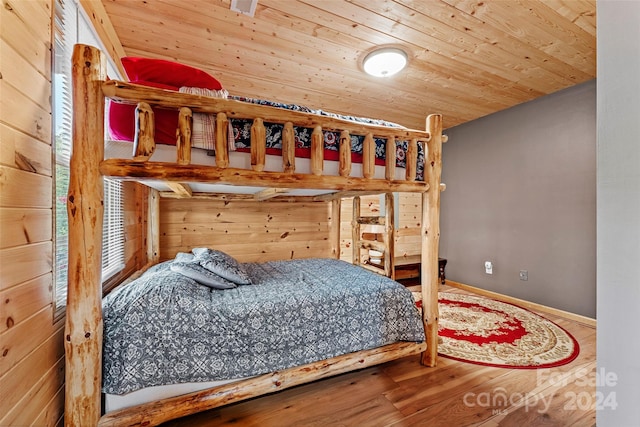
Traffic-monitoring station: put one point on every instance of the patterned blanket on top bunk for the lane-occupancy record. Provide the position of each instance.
(179, 77)
(167, 328)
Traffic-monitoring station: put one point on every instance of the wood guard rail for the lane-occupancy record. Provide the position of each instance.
(144, 143)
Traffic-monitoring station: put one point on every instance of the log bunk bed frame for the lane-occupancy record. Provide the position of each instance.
(83, 328)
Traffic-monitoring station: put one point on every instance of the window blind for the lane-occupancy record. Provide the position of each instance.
(71, 27)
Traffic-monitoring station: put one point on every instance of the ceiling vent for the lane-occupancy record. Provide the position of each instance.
(246, 7)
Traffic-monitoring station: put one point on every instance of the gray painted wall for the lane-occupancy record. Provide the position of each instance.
(521, 193)
(618, 346)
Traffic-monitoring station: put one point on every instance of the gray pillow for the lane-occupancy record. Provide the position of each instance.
(222, 264)
(201, 275)
(184, 257)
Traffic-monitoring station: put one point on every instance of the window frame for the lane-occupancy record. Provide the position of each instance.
(71, 25)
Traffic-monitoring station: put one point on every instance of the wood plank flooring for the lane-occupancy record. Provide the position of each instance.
(405, 393)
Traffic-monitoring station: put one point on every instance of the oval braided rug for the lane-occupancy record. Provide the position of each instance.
(494, 333)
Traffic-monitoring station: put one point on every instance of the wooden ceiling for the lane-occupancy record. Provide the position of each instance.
(467, 58)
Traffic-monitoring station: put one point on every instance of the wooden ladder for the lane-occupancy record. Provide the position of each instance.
(386, 267)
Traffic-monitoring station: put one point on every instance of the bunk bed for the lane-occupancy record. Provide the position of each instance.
(84, 319)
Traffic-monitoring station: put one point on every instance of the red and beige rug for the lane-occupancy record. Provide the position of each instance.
(494, 333)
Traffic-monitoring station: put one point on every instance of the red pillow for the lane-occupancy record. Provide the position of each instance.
(168, 73)
(161, 74)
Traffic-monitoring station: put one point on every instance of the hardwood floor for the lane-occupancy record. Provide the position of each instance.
(405, 393)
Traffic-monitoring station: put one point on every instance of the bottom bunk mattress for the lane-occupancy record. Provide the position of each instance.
(165, 328)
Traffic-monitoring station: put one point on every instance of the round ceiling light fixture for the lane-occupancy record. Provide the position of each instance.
(385, 62)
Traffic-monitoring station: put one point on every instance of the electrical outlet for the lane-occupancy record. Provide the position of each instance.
(488, 267)
(524, 275)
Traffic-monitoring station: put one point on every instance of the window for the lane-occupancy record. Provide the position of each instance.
(71, 27)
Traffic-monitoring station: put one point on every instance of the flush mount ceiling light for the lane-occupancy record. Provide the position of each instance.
(385, 62)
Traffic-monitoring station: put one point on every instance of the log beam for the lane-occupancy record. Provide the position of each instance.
(164, 171)
(161, 411)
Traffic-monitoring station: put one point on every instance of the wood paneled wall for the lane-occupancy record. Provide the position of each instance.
(250, 231)
(32, 353)
(407, 234)
(31, 341)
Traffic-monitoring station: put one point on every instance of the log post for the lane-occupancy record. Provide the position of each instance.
(258, 145)
(355, 232)
(183, 136)
(389, 235)
(317, 151)
(83, 324)
(288, 148)
(222, 147)
(390, 159)
(153, 226)
(368, 156)
(335, 227)
(345, 153)
(412, 160)
(430, 239)
(144, 143)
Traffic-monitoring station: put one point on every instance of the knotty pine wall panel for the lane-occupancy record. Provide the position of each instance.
(250, 231)
(23, 151)
(26, 378)
(31, 341)
(23, 226)
(20, 302)
(408, 241)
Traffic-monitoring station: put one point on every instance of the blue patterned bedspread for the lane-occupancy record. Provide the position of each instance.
(164, 328)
